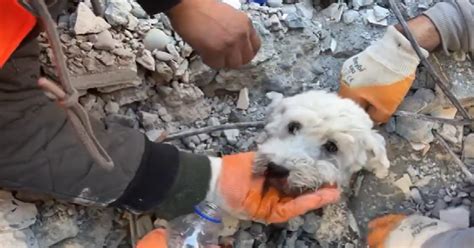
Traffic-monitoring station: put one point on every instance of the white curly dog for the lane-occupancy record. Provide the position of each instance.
(317, 138)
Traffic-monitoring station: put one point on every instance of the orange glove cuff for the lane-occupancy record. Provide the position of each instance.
(154, 239)
(380, 228)
(380, 101)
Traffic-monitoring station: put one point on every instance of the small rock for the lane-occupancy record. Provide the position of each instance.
(112, 108)
(154, 134)
(105, 41)
(107, 58)
(171, 48)
(468, 149)
(144, 225)
(350, 16)
(439, 205)
(371, 18)
(380, 13)
(456, 216)
(146, 60)
(404, 183)
(295, 223)
(163, 73)
(132, 22)
(334, 11)
(311, 223)
(87, 22)
(466, 202)
(149, 120)
(243, 102)
(294, 21)
(447, 198)
(137, 10)
(124, 120)
(90, 64)
(230, 226)
(86, 46)
(163, 56)
(416, 195)
(156, 39)
(14, 214)
(117, 12)
(275, 3)
(244, 240)
(361, 3)
(232, 135)
(55, 229)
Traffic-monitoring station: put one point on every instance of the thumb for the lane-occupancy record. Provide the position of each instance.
(284, 211)
(378, 115)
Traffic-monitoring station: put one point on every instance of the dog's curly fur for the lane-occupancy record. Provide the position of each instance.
(319, 138)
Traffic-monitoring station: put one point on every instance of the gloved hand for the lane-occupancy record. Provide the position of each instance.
(222, 35)
(395, 231)
(379, 77)
(154, 239)
(242, 194)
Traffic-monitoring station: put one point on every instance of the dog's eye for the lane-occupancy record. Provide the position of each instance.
(293, 127)
(331, 147)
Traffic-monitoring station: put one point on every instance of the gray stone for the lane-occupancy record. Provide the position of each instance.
(126, 75)
(361, 3)
(86, 46)
(163, 73)
(380, 13)
(439, 205)
(149, 120)
(295, 223)
(137, 10)
(106, 58)
(200, 73)
(105, 41)
(459, 216)
(163, 56)
(117, 12)
(294, 21)
(156, 39)
(468, 149)
(112, 108)
(416, 195)
(55, 229)
(232, 135)
(123, 120)
(154, 134)
(334, 11)
(275, 3)
(350, 16)
(244, 240)
(146, 60)
(87, 22)
(311, 222)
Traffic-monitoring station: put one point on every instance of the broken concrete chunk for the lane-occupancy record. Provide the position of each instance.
(129, 95)
(458, 217)
(117, 76)
(243, 102)
(14, 214)
(232, 135)
(380, 13)
(404, 184)
(24, 238)
(163, 73)
(468, 149)
(105, 41)
(146, 60)
(106, 58)
(334, 11)
(149, 120)
(117, 12)
(163, 56)
(156, 39)
(87, 22)
(361, 3)
(111, 108)
(350, 16)
(372, 19)
(55, 229)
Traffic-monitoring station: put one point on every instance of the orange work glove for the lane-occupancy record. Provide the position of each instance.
(379, 77)
(154, 239)
(242, 194)
(15, 23)
(223, 36)
(396, 231)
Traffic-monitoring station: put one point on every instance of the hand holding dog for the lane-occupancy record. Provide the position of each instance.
(244, 195)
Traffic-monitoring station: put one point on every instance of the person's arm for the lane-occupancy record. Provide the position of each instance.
(449, 24)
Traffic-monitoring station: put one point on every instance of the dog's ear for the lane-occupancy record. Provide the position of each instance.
(377, 160)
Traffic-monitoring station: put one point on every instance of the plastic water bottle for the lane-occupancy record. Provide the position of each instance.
(197, 230)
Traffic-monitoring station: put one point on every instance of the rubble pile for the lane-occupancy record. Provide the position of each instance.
(132, 69)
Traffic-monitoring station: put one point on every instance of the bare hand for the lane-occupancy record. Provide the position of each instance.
(222, 35)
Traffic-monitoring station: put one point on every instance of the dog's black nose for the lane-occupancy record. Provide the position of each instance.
(276, 171)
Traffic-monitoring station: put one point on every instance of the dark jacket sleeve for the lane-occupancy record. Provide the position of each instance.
(152, 7)
(40, 152)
